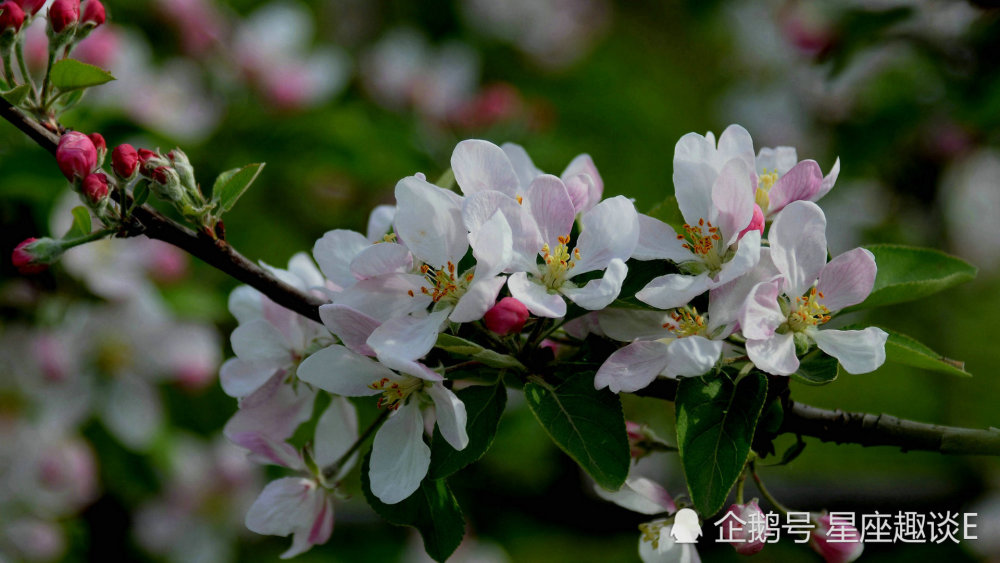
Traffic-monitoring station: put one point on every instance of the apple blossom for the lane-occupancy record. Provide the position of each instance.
(506, 317)
(781, 179)
(76, 155)
(836, 542)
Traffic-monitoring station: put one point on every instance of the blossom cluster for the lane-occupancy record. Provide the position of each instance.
(516, 260)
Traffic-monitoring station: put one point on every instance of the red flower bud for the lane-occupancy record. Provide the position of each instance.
(746, 526)
(124, 160)
(27, 257)
(31, 6)
(160, 175)
(76, 155)
(98, 141)
(506, 317)
(95, 187)
(64, 13)
(12, 17)
(145, 155)
(836, 540)
(93, 12)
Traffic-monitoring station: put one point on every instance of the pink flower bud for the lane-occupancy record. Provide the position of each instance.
(93, 12)
(750, 535)
(31, 6)
(160, 174)
(12, 17)
(95, 187)
(756, 223)
(76, 155)
(145, 155)
(33, 255)
(636, 436)
(836, 541)
(124, 160)
(506, 317)
(64, 13)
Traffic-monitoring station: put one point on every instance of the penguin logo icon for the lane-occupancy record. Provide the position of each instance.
(686, 528)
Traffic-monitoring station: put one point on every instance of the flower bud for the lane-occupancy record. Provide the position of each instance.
(836, 542)
(124, 160)
(95, 187)
(166, 183)
(100, 145)
(64, 13)
(11, 18)
(749, 537)
(34, 255)
(756, 223)
(30, 7)
(76, 155)
(93, 12)
(184, 168)
(506, 317)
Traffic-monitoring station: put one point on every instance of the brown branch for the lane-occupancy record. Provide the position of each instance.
(829, 426)
(155, 225)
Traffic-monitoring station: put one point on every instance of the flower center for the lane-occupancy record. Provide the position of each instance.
(445, 284)
(558, 261)
(765, 182)
(395, 393)
(702, 239)
(653, 532)
(808, 312)
(687, 322)
(390, 237)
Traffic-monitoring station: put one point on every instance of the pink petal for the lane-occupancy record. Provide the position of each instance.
(847, 279)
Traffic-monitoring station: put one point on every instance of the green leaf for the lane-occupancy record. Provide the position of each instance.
(432, 510)
(906, 274)
(446, 180)
(140, 193)
(902, 349)
(715, 426)
(585, 423)
(669, 212)
(17, 95)
(817, 368)
(470, 349)
(483, 407)
(232, 184)
(81, 223)
(69, 74)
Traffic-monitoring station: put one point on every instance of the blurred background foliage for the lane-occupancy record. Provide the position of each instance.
(907, 95)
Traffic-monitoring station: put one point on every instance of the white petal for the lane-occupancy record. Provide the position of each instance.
(536, 297)
(351, 326)
(523, 166)
(551, 206)
(385, 297)
(610, 230)
(828, 181)
(400, 457)
(746, 257)
(633, 367)
(658, 240)
(481, 207)
(380, 259)
(480, 165)
(798, 245)
(802, 182)
(240, 378)
(479, 298)
(777, 159)
(259, 341)
(692, 356)
(583, 164)
(245, 303)
(273, 411)
(847, 279)
(761, 314)
(492, 246)
(732, 200)
(673, 290)
(334, 252)
(292, 506)
(599, 293)
(726, 301)
(627, 325)
(641, 495)
(451, 416)
(340, 371)
(429, 222)
(380, 221)
(859, 351)
(399, 342)
(302, 266)
(735, 142)
(694, 173)
(775, 355)
(336, 431)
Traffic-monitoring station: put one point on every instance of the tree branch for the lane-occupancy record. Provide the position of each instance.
(829, 426)
(155, 225)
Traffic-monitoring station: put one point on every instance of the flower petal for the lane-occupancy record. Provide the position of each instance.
(259, 341)
(859, 351)
(342, 372)
(479, 298)
(492, 246)
(527, 241)
(351, 326)
(524, 168)
(583, 164)
(451, 416)
(627, 325)
(480, 165)
(798, 245)
(692, 356)
(828, 181)
(399, 458)
(293, 505)
(732, 200)
(633, 367)
(385, 297)
(381, 259)
(336, 431)
(777, 159)
(380, 221)
(245, 303)
(673, 290)
(401, 341)
(736, 143)
(429, 222)
(551, 206)
(761, 314)
(240, 378)
(746, 257)
(658, 240)
(536, 297)
(775, 355)
(334, 252)
(610, 230)
(847, 279)
(599, 293)
(801, 183)
(641, 495)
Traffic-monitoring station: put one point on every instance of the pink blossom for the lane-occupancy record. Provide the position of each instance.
(506, 317)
